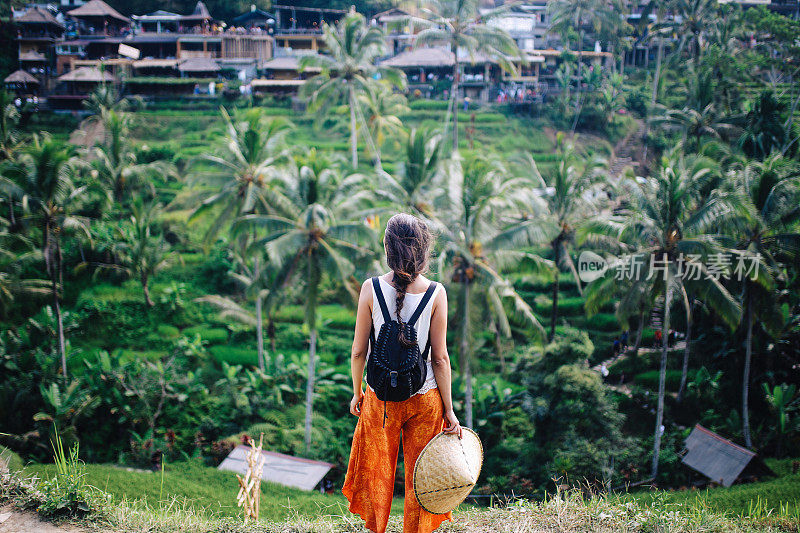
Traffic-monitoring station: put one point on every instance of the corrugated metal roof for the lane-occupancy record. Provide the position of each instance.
(279, 468)
(715, 457)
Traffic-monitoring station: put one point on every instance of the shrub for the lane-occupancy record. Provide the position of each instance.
(649, 379)
(208, 334)
(428, 105)
(603, 322)
(234, 355)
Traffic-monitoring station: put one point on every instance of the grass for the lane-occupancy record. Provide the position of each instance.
(137, 508)
(749, 499)
(205, 489)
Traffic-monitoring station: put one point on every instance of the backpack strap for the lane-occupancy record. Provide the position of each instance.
(376, 285)
(425, 299)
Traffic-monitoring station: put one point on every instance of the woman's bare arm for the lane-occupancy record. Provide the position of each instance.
(440, 360)
(358, 355)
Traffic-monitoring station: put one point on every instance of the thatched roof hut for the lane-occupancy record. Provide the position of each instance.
(97, 9)
(87, 75)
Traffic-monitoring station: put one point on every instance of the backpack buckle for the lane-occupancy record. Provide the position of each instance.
(393, 377)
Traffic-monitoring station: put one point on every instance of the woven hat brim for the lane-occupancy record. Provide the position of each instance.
(446, 471)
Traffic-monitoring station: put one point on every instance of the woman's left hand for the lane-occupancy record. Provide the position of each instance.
(452, 426)
(355, 403)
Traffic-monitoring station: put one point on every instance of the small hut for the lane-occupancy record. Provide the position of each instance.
(719, 459)
(99, 17)
(21, 83)
(287, 470)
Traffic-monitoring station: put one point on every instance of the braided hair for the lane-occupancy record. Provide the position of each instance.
(408, 243)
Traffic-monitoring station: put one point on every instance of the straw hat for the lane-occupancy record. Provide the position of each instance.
(446, 470)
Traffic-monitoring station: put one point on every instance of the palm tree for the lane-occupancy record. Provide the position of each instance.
(568, 15)
(414, 186)
(243, 181)
(770, 193)
(9, 117)
(670, 226)
(568, 195)
(463, 27)
(348, 69)
(40, 179)
(261, 282)
(692, 23)
(140, 252)
(696, 123)
(115, 165)
(383, 109)
(13, 264)
(481, 210)
(314, 232)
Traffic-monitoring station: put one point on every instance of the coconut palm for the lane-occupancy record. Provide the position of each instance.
(668, 230)
(770, 195)
(413, 188)
(570, 195)
(9, 117)
(693, 21)
(383, 108)
(13, 263)
(243, 180)
(314, 232)
(670, 226)
(567, 16)
(115, 165)
(481, 210)
(348, 69)
(40, 179)
(462, 26)
(696, 123)
(140, 251)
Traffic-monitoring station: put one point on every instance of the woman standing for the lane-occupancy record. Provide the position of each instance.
(400, 294)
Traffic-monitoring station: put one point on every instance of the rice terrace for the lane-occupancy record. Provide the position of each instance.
(578, 219)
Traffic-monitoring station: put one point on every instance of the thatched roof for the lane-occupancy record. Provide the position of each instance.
(87, 74)
(97, 8)
(20, 76)
(286, 63)
(37, 15)
(199, 64)
(200, 13)
(32, 55)
(421, 57)
(254, 14)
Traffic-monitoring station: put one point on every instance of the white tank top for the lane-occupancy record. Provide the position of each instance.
(423, 325)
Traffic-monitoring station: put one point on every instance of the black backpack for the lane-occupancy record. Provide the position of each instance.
(395, 372)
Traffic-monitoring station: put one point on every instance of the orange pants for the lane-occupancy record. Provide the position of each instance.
(369, 483)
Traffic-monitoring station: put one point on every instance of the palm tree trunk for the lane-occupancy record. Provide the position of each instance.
(311, 319)
(748, 356)
(353, 134)
(260, 333)
(662, 378)
(686, 350)
(312, 355)
(465, 356)
(654, 97)
(554, 310)
(639, 332)
(454, 96)
(55, 273)
(498, 347)
(146, 289)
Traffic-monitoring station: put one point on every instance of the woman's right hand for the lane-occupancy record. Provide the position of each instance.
(355, 403)
(452, 425)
